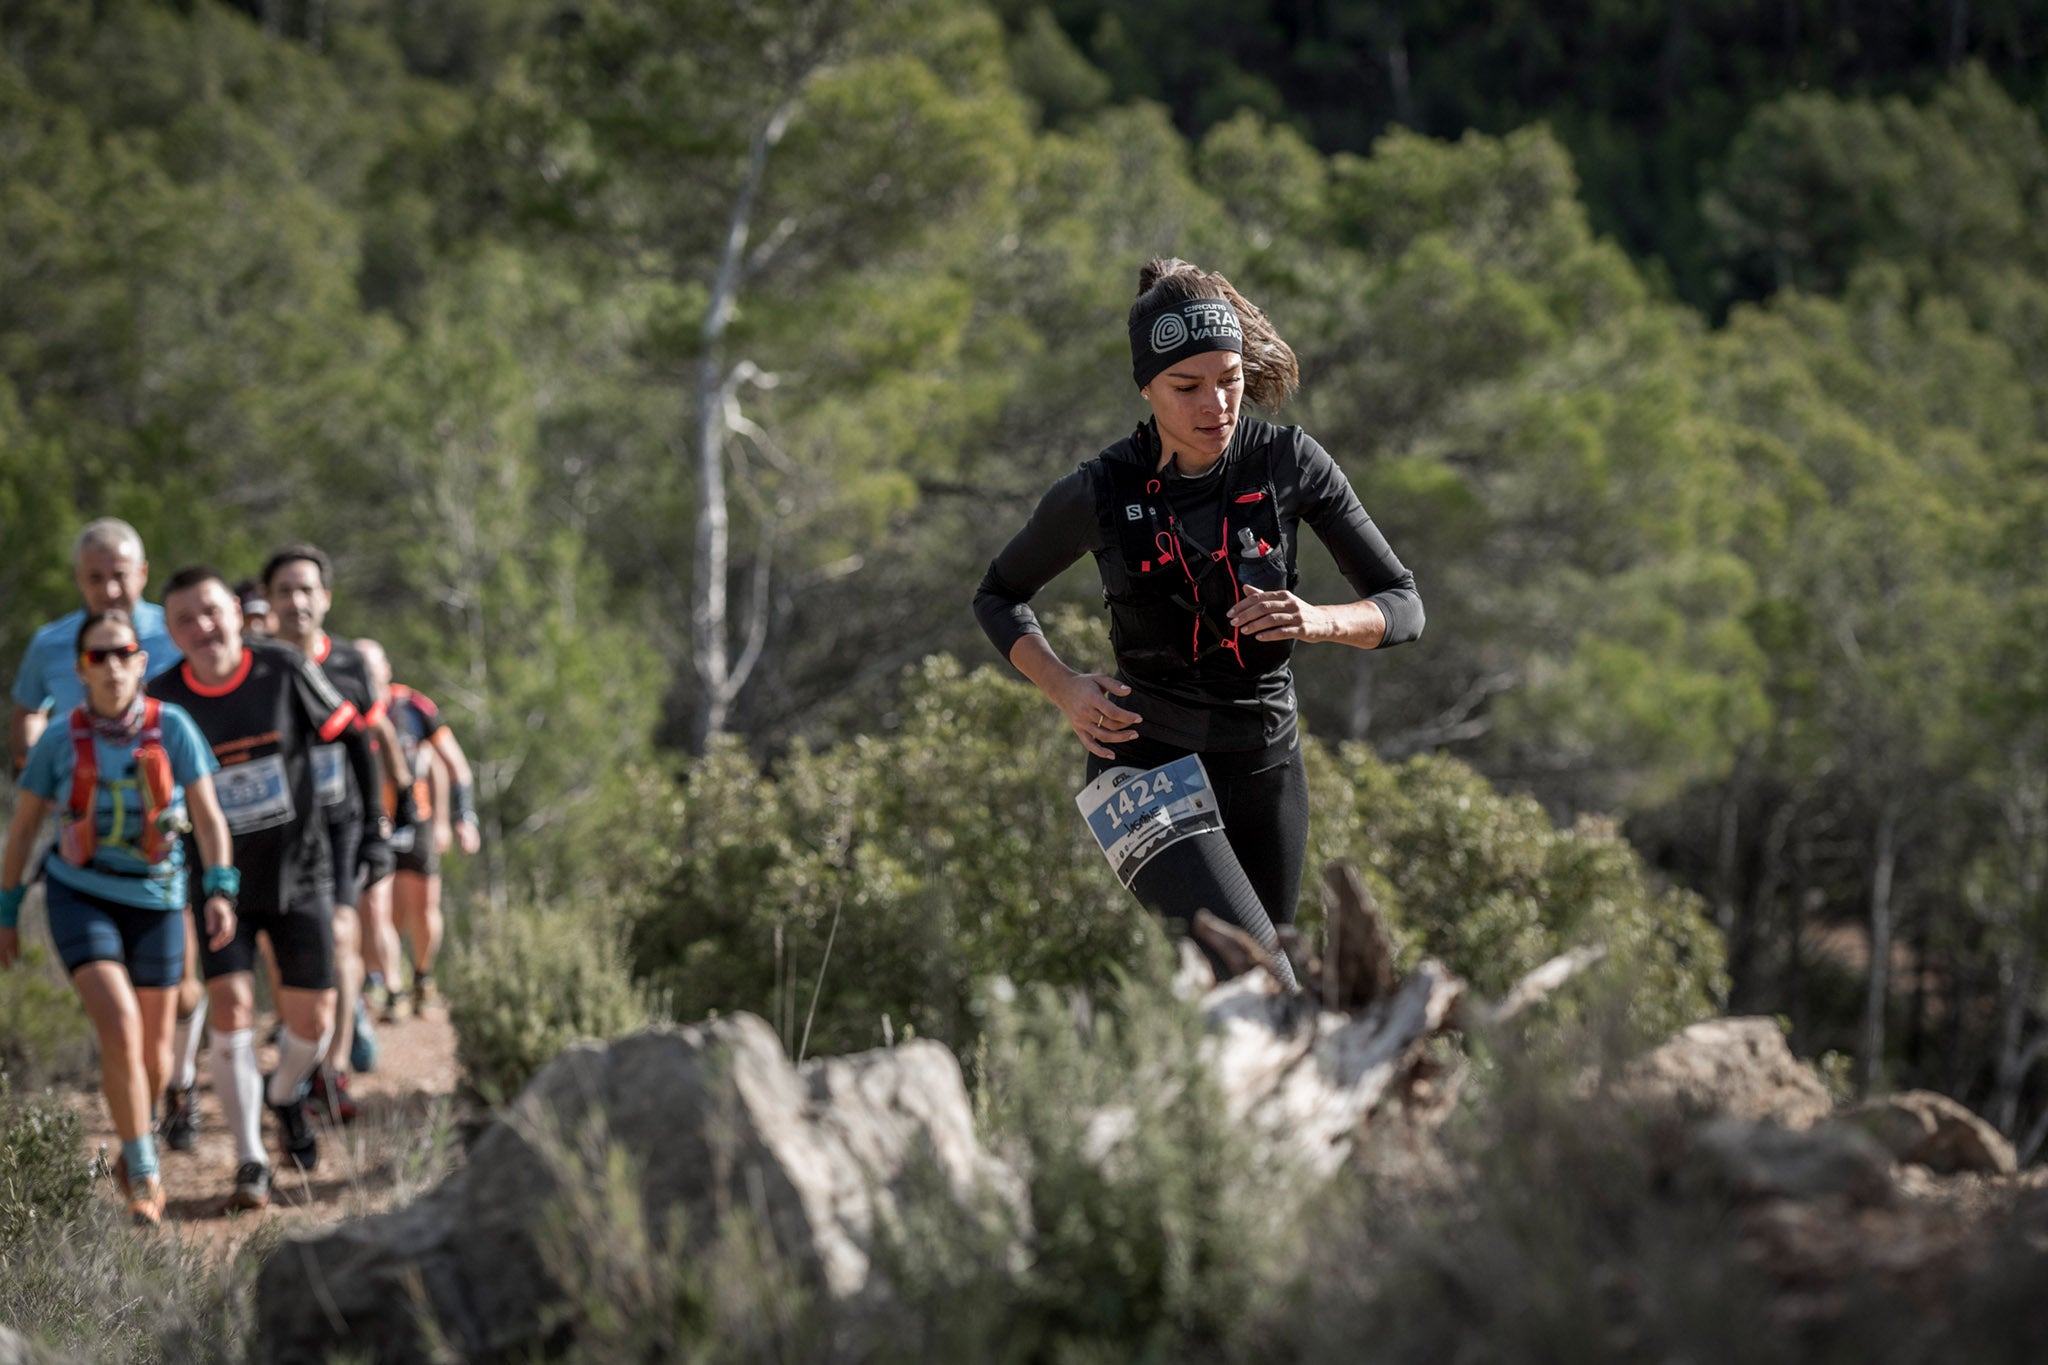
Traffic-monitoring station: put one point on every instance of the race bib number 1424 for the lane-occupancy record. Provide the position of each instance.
(1133, 815)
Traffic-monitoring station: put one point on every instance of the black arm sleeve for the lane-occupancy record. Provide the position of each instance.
(362, 759)
(1368, 563)
(1062, 530)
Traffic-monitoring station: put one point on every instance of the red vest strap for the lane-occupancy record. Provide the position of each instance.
(78, 832)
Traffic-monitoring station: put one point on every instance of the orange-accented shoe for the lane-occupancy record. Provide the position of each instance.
(146, 1201)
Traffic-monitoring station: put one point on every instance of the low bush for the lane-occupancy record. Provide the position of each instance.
(1155, 1220)
(1487, 883)
(906, 867)
(527, 984)
(930, 858)
(44, 1034)
(45, 1177)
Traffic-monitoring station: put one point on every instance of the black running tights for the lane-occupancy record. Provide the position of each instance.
(1248, 875)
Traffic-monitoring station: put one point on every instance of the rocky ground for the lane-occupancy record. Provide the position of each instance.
(401, 1139)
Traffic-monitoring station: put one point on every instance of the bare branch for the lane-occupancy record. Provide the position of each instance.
(1541, 984)
(1456, 721)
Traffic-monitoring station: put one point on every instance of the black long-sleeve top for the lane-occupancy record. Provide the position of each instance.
(1184, 712)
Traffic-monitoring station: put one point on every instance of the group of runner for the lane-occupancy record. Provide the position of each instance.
(226, 772)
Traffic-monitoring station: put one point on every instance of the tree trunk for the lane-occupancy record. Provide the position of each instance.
(2016, 987)
(1763, 895)
(1358, 720)
(1728, 852)
(1958, 33)
(1398, 77)
(718, 681)
(1916, 1014)
(1884, 861)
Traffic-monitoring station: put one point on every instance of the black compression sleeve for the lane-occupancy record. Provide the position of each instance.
(362, 759)
(1330, 508)
(1059, 532)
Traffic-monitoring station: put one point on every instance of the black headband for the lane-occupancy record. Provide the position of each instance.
(1172, 332)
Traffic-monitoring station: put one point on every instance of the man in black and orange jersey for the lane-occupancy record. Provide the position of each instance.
(444, 793)
(298, 581)
(263, 708)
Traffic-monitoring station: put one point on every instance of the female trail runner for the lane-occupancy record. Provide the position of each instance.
(1196, 788)
(127, 775)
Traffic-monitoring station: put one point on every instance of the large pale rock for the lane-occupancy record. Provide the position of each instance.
(1932, 1130)
(715, 1121)
(1740, 1068)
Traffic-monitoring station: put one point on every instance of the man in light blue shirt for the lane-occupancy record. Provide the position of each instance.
(111, 570)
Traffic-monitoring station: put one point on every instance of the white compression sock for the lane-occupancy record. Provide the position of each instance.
(240, 1087)
(185, 1047)
(296, 1058)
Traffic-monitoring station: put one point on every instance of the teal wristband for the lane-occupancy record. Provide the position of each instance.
(10, 906)
(222, 881)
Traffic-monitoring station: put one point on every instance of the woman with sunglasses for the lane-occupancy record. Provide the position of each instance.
(127, 776)
(1196, 788)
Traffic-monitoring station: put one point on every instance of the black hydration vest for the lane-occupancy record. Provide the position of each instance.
(1168, 586)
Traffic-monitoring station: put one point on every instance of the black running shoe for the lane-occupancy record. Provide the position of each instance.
(180, 1128)
(252, 1186)
(300, 1143)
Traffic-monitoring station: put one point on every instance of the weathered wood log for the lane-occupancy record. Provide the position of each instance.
(1307, 1078)
(1358, 953)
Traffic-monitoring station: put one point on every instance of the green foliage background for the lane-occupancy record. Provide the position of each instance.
(1696, 358)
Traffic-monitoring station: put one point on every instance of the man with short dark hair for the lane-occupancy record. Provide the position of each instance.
(298, 581)
(263, 708)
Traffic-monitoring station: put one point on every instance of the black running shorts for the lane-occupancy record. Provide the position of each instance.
(421, 859)
(301, 938)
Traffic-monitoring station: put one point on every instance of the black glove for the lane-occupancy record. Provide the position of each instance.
(374, 858)
(408, 810)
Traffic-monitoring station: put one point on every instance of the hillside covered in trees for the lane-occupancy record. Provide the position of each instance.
(662, 375)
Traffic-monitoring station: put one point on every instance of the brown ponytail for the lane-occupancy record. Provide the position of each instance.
(1271, 372)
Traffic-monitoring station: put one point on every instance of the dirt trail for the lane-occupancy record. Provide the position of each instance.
(401, 1137)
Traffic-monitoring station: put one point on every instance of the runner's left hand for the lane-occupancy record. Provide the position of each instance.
(1279, 615)
(10, 947)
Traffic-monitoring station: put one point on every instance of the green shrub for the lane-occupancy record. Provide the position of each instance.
(94, 1287)
(1488, 884)
(1557, 1234)
(45, 1177)
(528, 984)
(947, 850)
(1155, 1218)
(44, 1034)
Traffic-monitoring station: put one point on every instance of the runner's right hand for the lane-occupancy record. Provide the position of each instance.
(220, 922)
(1088, 702)
(375, 858)
(10, 947)
(408, 810)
